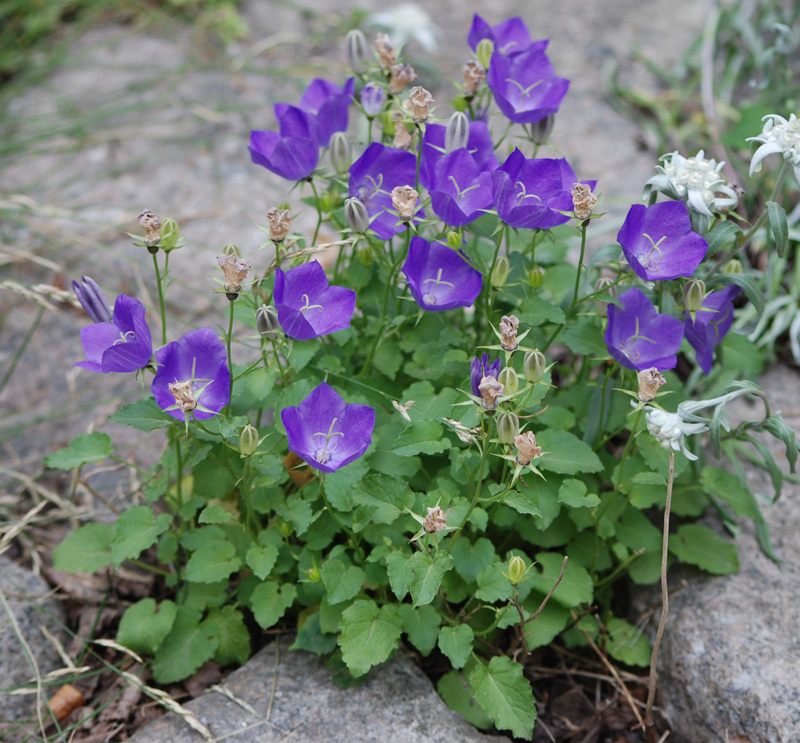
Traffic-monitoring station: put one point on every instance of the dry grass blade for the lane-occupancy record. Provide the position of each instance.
(120, 648)
(14, 529)
(230, 695)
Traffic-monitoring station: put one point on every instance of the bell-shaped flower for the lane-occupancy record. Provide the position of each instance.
(325, 431)
(480, 368)
(479, 144)
(374, 176)
(778, 137)
(439, 277)
(658, 241)
(710, 324)
(328, 102)
(90, 295)
(525, 85)
(122, 344)
(460, 191)
(509, 37)
(294, 152)
(533, 193)
(639, 337)
(193, 379)
(308, 306)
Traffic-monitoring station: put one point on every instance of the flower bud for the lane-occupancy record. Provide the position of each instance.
(509, 378)
(365, 255)
(534, 366)
(454, 240)
(540, 130)
(372, 98)
(356, 215)
(507, 426)
(267, 323)
(536, 277)
(402, 75)
(340, 153)
(694, 292)
(491, 391)
(314, 575)
(604, 284)
(418, 103)
(355, 50)
(385, 51)
(248, 441)
(284, 529)
(151, 223)
(516, 570)
(92, 300)
(436, 520)
(583, 201)
(484, 52)
(474, 75)
(456, 134)
(170, 234)
(231, 250)
(650, 381)
(527, 448)
(734, 265)
(404, 199)
(502, 267)
(509, 325)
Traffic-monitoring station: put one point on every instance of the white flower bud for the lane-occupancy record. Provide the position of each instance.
(456, 135)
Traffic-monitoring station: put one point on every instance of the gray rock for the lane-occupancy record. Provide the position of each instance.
(729, 661)
(398, 703)
(25, 594)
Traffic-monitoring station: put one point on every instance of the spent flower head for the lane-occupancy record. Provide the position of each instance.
(418, 103)
(480, 368)
(235, 271)
(279, 222)
(151, 224)
(401, 76)
(527, 448)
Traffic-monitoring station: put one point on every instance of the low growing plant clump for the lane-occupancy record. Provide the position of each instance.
(453, 425)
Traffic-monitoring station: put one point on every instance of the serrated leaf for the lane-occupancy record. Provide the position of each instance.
(726, 486)
(470, 558)
(505, 695)
(214, 514)
(144, 415)
(421, 437)
(576, 586)
(627, 644)
(234, 639)
(297, 512)
(144, 626)
(84, 448)
(534, 311)
(341, 582)
(573, 494)
(456, 692)
(269, 602)
(213, 561)
(493, 585)
(261, 559)
(698, 545)
(778, 226)
(545, 628)
(369, 635)
(428, 574)
(565, 453)
(421, 625)
(135, 530)
(386, 497)
(400, 572)
(456, 643)
(86, 550)
(525, 502)
(189, 644)
(311, 637)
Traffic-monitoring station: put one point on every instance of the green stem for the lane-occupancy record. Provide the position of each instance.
(477, 495)
(228, 337)
(318, 206)
(584, 225)
(161, 301)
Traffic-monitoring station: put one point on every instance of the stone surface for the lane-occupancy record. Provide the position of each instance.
(731, 652)
(25, 594)
(398, 703)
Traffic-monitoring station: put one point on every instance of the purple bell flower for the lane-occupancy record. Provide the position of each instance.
(293, 153)
(525, 85)
(509, 37)
(326, 432)
(193, 379)
(307, 306)
(439, 277)
(328, 102)
(711, 324)
(639, 337)
(373, 176)
(658, 241)
(460, 192)
(480, 368)
(92, 300)
(479, 144)
(121, 344)
(532, 193)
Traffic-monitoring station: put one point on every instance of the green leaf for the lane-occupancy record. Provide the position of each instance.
(525, 502)
(696, 544)
(261, 559)
(534, 311)
(84, 448)
(505, 695)
(86, 550)
(144, 415)
(189, 644)
(234, 639)
(369, 635)
(722, 236)
(778, 226)
(565, 453)
(421, 437)
(341, 582)
(493, 585)
(545, 628)
(214, 561)
(297, 512)
(749, 285)
(421, 625)
(428, 574)
(456, 643)
(627, 644)
(726, 486)
(386, 497)
(144, 626)
(215, 514)
(573, 494)
(456, 692)
(135, 530)
(576, 586)
(470, 558)
(586, 339)
(400, 572)
(311, 637)
(269, 602)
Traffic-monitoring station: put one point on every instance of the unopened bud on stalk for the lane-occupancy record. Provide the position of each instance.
(454, 240)
(694, 292)
(340, 153)
(355, 50)
(170, 234)
(650, 381)
(151, 223)
(385, 51)
(734, 265)
(536, 277)
(402, 75)
(502, 267)
(516, 570)
(474, 75)
(372, 98)
(509, 378)
(314, 575)
(507, 427)
(231, 250)
(604, 284)
(456, 134)
(540, 130)
(267, 323)
(534, 366)
(484, 52)
(404, 199)
(285, 529)
(356, 215)
(248, 441)
(366, 255)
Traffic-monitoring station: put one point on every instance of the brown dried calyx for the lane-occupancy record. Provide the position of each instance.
(151, 223)
(650, 382)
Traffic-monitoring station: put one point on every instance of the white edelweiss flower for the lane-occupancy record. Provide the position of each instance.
(405, 22)
(778, 136)
(671, 430)
(695, 180)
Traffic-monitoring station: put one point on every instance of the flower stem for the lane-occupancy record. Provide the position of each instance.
(318, 206)
(228, 348)
(161, 301)
(584, 225)
(479, 482)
